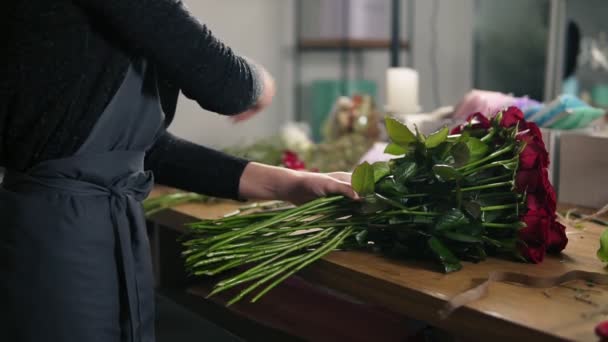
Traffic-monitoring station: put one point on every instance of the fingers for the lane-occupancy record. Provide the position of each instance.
(337, 187)
(341, 176)
(244, 116)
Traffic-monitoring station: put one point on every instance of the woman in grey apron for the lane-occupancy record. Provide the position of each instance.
(76, 229)
(74, 256)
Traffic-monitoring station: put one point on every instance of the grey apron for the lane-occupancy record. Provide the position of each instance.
(74, 255)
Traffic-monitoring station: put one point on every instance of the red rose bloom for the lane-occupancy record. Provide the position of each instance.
(534, 154)
(529, 181)
(511, 117)
(535, 234)
(475, 121)
(542, 232)
(548, 191)
(532, 129)
(291, 160)
(557, 239)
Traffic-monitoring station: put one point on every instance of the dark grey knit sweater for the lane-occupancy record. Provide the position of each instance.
(62, 61)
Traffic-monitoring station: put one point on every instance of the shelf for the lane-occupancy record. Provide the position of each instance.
(349, 44)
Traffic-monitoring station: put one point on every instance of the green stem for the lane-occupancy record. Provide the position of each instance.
(230, 236)
(494, 179)
(500, 194)
(230, 283)
(499, 207)
(390, 201)
(265, 279)
(411, 212)
(500, 163)
(500, 225)
(330, 246)
(321, 251)
(232, 264)
(296, 247)
(493, 155)
(487, 186)
(490, 135)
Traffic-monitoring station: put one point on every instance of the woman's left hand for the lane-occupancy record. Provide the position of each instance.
(265, 182)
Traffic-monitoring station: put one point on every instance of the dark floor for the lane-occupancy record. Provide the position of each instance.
(176, 324)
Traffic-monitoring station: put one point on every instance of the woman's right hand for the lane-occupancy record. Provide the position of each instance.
(265, 99)
(264, 182)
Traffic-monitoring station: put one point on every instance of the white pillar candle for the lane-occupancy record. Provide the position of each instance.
(402, 90)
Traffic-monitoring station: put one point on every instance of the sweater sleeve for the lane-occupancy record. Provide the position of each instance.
(205, 69)
(181, 164)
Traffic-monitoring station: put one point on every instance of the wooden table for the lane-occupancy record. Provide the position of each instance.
(509, 312)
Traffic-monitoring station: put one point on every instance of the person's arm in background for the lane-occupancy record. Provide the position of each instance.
(210, 73)
(205, 69)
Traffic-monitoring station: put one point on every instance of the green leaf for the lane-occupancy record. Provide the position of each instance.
(446, 257)
(435, 139)
(452, 219)
(464, 136)
(461, 154)
(446, 173)
(395, 150)
(389, 187)
(472, 208)
(602, 253)
(381, 170)
(371, 205)
(405, 170)
(398, 132)
(461, 237)
(421, 137)
(361, 238)
(478, 149)
(363, 179)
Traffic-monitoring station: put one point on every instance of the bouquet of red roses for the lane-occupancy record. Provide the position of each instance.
(481, 190)
(542, 232)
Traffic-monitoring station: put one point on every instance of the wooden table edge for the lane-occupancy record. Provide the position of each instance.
(466, 322)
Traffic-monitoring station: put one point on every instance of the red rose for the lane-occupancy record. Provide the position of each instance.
(535, 235)
(291, 160)
(528, 181)
(532, 129)
(548, 191)
(556, 239)
(534, 154)
(534, 253)
(474, 121)
(533, 202)
(535, 183)
(511, 117)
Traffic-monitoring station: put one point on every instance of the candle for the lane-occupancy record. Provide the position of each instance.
(402, 90)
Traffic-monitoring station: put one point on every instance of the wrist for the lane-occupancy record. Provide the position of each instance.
(265, 182)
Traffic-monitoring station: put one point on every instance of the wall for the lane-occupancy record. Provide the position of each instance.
(453, 49)
(507, 61)
(445, 62)
(261, 30)
(264, 30)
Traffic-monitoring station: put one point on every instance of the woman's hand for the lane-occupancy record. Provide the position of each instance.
(263, 182)
(268, 92)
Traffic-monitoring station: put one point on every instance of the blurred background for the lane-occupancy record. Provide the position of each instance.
(321, 49)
